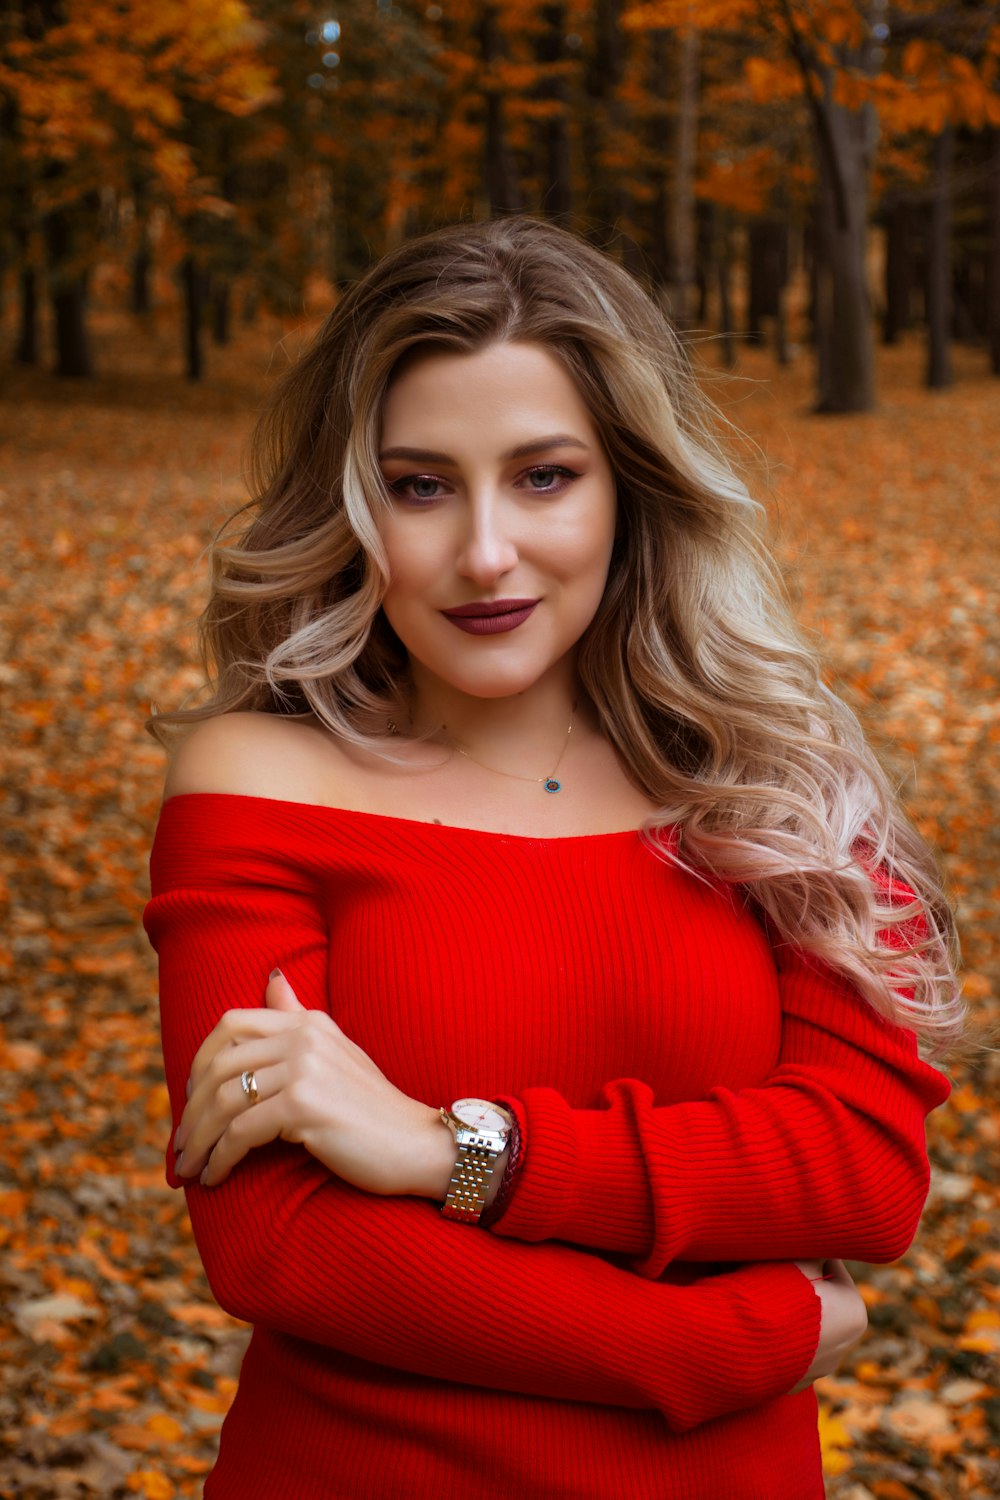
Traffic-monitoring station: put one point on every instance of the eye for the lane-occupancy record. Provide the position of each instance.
(424, 489)
(547, 474)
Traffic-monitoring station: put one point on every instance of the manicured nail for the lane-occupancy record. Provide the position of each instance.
(276, 974)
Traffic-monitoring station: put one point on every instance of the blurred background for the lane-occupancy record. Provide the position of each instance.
(221, 156)
(812, 191)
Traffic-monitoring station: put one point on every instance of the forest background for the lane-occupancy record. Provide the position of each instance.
(812, 190)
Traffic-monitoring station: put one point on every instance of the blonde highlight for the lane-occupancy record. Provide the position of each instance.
(709, 692)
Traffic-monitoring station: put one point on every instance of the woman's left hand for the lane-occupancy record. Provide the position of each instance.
(315, 1088)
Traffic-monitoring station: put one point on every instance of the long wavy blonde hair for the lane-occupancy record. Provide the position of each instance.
(702, 681)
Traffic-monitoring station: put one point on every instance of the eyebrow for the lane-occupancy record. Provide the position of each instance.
(536, 445)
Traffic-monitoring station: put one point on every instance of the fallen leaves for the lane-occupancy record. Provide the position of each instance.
(119, 1367)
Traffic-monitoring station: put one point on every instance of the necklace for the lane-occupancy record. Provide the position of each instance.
(548, 782)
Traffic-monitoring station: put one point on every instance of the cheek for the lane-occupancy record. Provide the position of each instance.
(413, 555)
(583, 552)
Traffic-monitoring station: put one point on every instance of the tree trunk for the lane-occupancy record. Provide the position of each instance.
(898, 270)
(723, 261)
(26, 352)
(704, 260)
(846, 357)
(939, 263)
(68, 288)
(220, 310)
(768, 273)
(608, 201)
(502, 187)
(993, 255)
(656, 139)
(781, 349)
(142, 264)
(682, 224)
(556, 185)
(967, 292)
(193, 285)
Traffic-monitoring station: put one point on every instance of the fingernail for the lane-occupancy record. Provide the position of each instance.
(203, 1179)
(276, 974)
(177, 1140)
(188, 1087)
(179, 1165)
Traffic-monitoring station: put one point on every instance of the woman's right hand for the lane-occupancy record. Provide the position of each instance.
(844, 1317)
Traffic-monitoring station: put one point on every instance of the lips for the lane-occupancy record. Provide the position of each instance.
(490, 617)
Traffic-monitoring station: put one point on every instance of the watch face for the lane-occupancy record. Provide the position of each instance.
(480, 1114)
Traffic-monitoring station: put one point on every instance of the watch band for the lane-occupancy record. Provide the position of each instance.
(471, 1178)
(495, 1210)
(478, 1153)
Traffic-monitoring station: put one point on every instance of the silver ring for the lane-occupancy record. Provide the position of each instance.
(249, 1083)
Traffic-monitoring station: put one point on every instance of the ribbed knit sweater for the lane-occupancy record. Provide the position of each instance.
(698, 1106)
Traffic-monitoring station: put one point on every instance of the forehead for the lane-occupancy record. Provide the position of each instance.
(509, 389)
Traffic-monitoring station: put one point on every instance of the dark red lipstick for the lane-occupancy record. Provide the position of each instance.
(490, 617)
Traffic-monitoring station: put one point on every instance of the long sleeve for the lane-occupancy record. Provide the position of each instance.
(286, 1245)
(826, 1157)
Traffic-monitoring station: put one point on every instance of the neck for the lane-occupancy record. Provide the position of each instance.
(523, 732)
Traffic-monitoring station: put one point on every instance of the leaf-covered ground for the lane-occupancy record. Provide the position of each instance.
(118, 1367)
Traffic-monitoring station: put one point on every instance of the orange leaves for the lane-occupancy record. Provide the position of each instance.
(935, 87)
(891, 523)
(151, 1485)
(741, 182)
(202, 1315)
(19, 1055)
(120, 76)
(156, 1432)
(874, 516)
(834, 1438)
(770, 80)
(705, 15)
(982, 1332)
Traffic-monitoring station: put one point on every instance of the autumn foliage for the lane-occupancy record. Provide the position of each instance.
(264, 150)
(214, 162)
(118, 1366)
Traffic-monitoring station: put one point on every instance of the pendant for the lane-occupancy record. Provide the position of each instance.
(552, 785)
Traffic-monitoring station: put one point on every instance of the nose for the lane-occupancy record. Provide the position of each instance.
(487, 550)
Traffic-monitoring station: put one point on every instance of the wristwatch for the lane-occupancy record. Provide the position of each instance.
(481, 1130)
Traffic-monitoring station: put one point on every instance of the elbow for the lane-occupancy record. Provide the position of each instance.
(883, 1248)
(252, 1231)
(891, 1212)
(237, 1256)
(237, 1281)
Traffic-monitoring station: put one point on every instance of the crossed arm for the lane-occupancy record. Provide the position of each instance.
(287, 1244)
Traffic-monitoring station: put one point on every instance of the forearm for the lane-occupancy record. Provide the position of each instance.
(392, 1282)
(388, 1279)
(826, 1157)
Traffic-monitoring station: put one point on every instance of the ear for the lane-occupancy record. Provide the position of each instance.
(279, 994)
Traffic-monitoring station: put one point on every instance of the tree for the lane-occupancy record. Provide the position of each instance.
(815, 53)
(682, 215)
(993, 253)
(945, 79)
(97, 96)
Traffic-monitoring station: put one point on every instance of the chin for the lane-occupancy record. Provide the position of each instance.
(491, 686)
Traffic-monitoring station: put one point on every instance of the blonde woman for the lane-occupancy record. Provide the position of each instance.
(543, 954)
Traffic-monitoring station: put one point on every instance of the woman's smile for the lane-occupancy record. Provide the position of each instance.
(491, 618)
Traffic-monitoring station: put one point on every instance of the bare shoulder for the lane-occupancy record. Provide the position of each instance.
(259, 755)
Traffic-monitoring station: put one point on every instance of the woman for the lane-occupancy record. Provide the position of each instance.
(516, 767)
